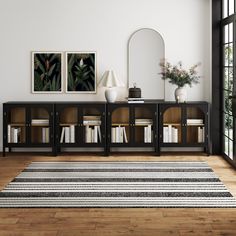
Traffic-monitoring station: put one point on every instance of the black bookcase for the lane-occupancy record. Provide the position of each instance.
(188, 124)
(28, 124)
(135, 123)
(86, 122)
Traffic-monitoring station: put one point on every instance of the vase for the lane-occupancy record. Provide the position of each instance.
(181, 94)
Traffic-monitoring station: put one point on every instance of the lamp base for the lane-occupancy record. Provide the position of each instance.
(111, 95)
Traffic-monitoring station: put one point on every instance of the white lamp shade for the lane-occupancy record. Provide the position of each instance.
(110, 80)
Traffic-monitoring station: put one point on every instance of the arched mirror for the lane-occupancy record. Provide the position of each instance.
(146, 50)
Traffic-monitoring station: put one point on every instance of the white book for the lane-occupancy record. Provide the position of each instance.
(9, 133)
(67, 134)
(43, 135)
(62, 135)
(47, 135)
(95, 137)
(121, 134)
(149, 134)
(199, 131)
(92, 122)
(118, 134)
(113, 135)
(86, 133)
(99, 134)
(203, 134)
(92, 136)
(174, 135)
(125, 136)
(145, 134)
(89, 138)
(170, 133)
(15, 136)
(72, 133)
(165, 136)
(194, 121)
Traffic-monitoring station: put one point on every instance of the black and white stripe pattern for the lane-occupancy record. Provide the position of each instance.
(116, 184)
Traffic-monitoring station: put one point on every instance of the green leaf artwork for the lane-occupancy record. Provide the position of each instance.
(47, 72)
(81, 72)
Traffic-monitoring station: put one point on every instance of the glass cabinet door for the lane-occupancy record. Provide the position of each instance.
(40, 123)
(16, 125)
(195, 125)
(68, 125)
(172, 125)
(120, 125)
(93, 125)
(144, 124)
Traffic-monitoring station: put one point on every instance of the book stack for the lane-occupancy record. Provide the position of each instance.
(45, 135)
(195, 122)
(92, 120)
(170, 134)
(13, 134)
(118, 135)
(68, 134)
(93, 134)
(135, 100)
(42, 122)
(147, 123)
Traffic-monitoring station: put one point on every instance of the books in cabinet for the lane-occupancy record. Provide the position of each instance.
(68, 134)
(92, 120)
(148, 134)
(170, 134)
(118, 135)
(201, 134)
(93, 134)
(45, 135)
(13, 134)
(40, 121)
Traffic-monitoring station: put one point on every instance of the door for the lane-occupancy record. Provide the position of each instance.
(171, 125)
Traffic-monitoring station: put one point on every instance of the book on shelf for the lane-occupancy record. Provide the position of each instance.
(40, 121)
(118, 135)
(45, 135)
(93, 134)
(13, 134)
(201, 134)
(143, 121)
(170, 134)
(148, 134)
(92, 120)
(194, 121)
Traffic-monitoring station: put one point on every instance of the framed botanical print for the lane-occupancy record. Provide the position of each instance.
(81, 72)
(47, 72)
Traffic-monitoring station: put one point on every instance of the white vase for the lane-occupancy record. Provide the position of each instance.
(181, 94)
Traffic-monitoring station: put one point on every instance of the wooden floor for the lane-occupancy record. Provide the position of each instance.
(109, 222)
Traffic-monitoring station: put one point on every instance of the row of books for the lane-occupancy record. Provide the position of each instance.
(93, 134)
(40, 121)
(143, 121)
(92, 120)
(148, 134)
(170, 134)
(118, 135)
(13, 134)
(68, 134)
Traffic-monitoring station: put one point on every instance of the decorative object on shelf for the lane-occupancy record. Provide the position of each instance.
(134, 92)
(81, 72)
(110, 81)
(180, 77)
(46, 72)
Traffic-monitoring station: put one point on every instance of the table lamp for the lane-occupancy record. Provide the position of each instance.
(110, 81)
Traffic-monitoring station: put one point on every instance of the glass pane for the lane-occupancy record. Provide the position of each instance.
(120, 132)
(231, 32)
(40, 125)
(92, 121)
(172, 125)
(16, 128)
(226, 74)
(230, 107)
(226, 146)
(226, 55)
(231, 7)
(226, 33)
(230, 125)
(230, 54)
(230, 82)
(225, 8)
(68, 124)
(226, 101)
(143, 125)
(226, 124)
(231, 149)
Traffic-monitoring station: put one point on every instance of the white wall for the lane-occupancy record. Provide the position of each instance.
(103, 26)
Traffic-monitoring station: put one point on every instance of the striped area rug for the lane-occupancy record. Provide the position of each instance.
(116, 184)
